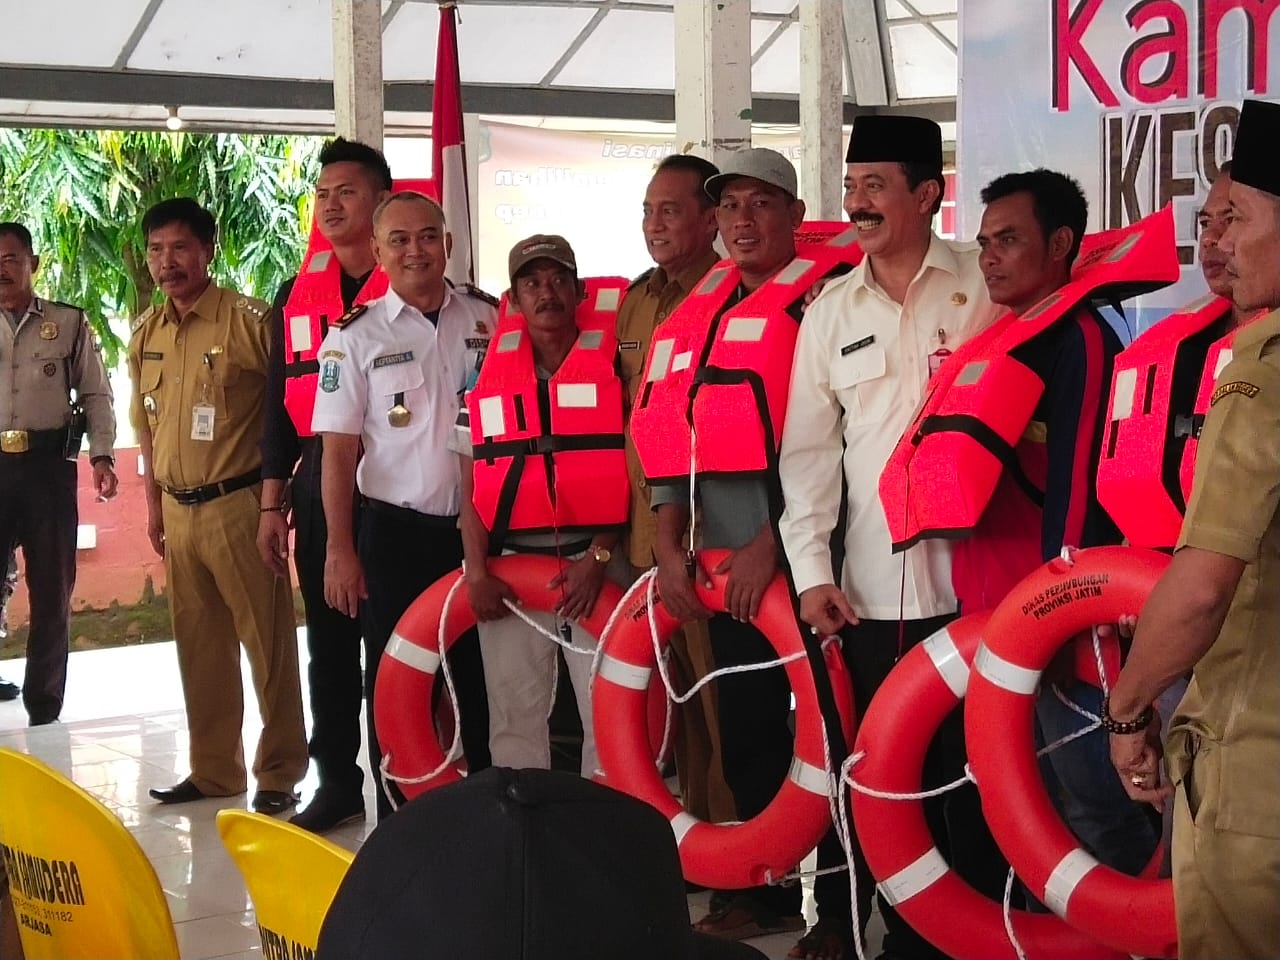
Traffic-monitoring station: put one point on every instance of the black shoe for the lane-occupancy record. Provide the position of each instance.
(9, 691)
(328, 811)
(183, 792)
(41, 719)
(273, 801)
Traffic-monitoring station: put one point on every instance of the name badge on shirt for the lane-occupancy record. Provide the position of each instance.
(202, 422)
(391, 359)
(629, 345)
(849, 348)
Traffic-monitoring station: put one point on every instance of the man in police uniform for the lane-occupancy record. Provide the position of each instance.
(679, 225)
(866, 350)
(46, 352)
(198, 365)
(391, 375)
(354, 179)
(1215, 611)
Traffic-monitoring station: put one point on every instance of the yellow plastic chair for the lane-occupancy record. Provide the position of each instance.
(292, 876)
(82, 888)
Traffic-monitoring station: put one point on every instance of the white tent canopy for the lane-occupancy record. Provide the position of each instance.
(268, 64)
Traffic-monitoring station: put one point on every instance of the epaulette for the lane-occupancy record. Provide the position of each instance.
(143, 317)
(479, 294)
(255, 308)
(642, 278)
(355, 313)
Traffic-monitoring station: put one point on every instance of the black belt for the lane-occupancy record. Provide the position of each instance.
(17, 442)
(409, 515)
(212, 491)
(559, 550)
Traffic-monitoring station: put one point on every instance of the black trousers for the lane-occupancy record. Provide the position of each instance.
(870, 650)
(404, 552)
(333, 641)
(38, 511)
(756, 742)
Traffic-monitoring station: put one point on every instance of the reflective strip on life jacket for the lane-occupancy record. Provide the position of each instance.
(727, 373)
(1148, 441)
(548, 455)
(941, 476)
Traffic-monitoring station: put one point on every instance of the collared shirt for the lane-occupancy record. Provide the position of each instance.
(859, 375)
(1234, 700)
(648, 302)
(46, 352)
(215, 356)
(392, 355)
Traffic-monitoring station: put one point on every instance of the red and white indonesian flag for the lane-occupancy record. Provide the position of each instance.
(448, 156)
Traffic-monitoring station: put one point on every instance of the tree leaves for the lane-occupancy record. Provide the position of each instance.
(82, 193)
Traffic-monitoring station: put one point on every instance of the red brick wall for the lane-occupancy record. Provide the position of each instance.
(118, 566)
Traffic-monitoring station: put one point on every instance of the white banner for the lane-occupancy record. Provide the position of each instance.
(1136, 99)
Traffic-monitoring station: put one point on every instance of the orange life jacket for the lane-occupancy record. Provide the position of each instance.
(1161, 381)
(727, 373)
(314, 303)
(548, 455)
(942, 474)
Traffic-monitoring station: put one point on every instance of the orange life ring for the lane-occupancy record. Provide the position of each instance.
(1057, 601)
(723, 856)
(894, 736)
(402, 695)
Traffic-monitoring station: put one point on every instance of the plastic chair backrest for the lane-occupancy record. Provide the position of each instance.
(292, 876)
(81, 885)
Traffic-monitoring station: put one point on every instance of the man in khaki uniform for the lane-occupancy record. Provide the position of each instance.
(198, 365)
(679, 226)
(46, 352)
(1215, 610)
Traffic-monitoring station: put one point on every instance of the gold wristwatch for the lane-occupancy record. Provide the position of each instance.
(601, 555)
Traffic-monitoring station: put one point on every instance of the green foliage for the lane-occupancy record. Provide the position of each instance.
(82, 193)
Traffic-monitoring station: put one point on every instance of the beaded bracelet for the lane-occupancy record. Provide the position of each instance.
(1136, 725)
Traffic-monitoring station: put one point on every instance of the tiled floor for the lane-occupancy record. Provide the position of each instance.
(123, 731)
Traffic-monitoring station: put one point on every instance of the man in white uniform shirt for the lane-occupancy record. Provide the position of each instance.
(391, 377)
(867, 347)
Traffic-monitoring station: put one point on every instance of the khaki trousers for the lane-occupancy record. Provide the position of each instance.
(220, 599)
(1226, 885)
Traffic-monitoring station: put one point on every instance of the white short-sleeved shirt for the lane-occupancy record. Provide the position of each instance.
(394, 354)
(860, 369)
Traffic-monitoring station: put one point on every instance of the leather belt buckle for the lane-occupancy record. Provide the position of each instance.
(15, 441)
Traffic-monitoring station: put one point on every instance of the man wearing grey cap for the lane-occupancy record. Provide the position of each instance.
(1214, 612)
(520, 664)
(867, 348)
(757, 213)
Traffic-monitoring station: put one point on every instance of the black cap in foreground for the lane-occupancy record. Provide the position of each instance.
(519, 865)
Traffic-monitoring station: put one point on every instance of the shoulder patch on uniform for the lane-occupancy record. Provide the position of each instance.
(1243, 387)
(479, 294)
(355, 313)
(143, 317)
(642, 278)
(254, 308)
(333, 354)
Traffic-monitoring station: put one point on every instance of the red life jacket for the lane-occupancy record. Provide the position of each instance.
(727, 373)
(941, 476)
(1149, 439)
(548, 456)
(315, 302)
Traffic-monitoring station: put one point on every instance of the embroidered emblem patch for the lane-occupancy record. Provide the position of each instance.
(50, 369)
(335, 354)
(391, 359)
(329, 376)
(1243, 387)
